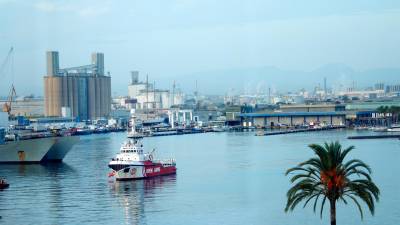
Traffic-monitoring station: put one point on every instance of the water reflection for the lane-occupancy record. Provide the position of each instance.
(34, 183)
(28, 170)
(134, 196)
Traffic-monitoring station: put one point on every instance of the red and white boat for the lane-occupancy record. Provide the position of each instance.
(133, 163)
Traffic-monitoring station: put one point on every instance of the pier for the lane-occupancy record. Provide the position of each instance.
(374, 136)
(290, 131)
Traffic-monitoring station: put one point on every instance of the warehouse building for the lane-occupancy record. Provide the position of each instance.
(296, 115)
(293, 119)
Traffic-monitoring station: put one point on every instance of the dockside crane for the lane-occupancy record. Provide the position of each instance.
(12, 94)
(10, 99)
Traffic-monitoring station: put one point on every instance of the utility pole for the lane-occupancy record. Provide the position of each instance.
(196, 91)
(147, 96)
(325, 91)
(154, 102)
(269, 95)
(196, 95)
(173, 93)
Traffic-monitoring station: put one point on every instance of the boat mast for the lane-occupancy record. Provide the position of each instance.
(147, 96)
(133, 122)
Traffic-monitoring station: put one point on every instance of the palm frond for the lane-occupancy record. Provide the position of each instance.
(329, 176)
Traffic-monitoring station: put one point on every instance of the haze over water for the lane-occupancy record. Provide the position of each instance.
(223, 178)
(175, 39)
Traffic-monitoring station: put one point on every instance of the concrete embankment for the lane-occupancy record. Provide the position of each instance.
(299, 130)
(375, 136)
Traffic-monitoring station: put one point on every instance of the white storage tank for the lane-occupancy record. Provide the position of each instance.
(66, 112)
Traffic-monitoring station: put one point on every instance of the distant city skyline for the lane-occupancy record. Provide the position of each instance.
(186, 40)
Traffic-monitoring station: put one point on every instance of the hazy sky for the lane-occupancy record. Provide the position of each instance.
(169, 38)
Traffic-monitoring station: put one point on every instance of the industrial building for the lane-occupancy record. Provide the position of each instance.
(293, 119)
(148, 97)
(82, 91)
(297, 115)
(312, 108)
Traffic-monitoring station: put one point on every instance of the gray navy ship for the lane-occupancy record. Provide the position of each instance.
(34, 147)
(52, 149)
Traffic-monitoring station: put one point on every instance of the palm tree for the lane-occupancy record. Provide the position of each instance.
(327, 178)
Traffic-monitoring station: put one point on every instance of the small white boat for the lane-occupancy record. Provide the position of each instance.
(394, 128)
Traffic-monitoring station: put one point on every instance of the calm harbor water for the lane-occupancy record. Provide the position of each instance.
(223, 178)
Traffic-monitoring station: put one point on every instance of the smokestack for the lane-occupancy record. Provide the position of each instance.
(135, 77)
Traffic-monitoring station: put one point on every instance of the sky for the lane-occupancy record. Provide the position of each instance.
(173, 39)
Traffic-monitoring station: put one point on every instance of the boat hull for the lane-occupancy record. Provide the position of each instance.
(4, 186)
(60, 148)
(144, 171)
(36, 150)
(393, 129)
(25, 151)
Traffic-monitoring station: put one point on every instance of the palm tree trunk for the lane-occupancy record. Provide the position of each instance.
(333, 212)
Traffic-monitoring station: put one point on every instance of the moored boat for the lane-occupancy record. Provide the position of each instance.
(34, 148)
(394, 128)
(133, 163)
(3, 184)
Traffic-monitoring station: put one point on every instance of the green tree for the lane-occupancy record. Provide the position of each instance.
(327, 178)
(394, 110)
(383, 109)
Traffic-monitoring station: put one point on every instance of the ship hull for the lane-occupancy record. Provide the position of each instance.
(61, 147)
(144, 171)
(35, 150)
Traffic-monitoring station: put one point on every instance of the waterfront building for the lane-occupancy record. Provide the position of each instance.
(379, 86)
(135, 87)
(296, 115)
(27, 106)
(180, 116)
(292, 118)
(366, 94)
(312, 108)
(393, 89)
(146, 96)
(84, 91)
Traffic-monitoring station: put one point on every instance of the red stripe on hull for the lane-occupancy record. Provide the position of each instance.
(154, 170)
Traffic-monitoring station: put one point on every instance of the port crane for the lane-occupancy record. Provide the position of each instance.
(12, 93)
(7, 105)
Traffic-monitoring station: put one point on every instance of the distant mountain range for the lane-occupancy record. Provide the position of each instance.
(252, 80)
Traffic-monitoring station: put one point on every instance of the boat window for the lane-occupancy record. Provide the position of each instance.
(126, 170)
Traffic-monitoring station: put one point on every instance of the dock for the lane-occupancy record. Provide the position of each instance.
(375, 136)
(290, 131)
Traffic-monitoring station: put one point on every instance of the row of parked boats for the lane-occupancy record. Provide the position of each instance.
(392, 128)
